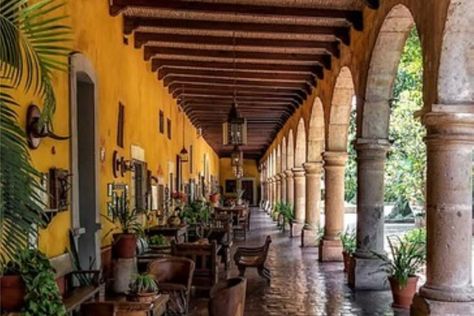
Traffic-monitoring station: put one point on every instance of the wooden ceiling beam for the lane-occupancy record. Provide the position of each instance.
(142, 38)
(238, 99)
(158, 64)
(217, 82)
(354, 17)
(321, 59)
(131, 23)
(248, 74)
(213, 93)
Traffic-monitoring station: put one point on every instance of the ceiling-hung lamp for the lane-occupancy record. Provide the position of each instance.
(234, 130)
(237, 157)
(183, 154)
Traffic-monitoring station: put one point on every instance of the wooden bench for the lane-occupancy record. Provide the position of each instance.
(204, 257)
(253, 257)
(76, 287)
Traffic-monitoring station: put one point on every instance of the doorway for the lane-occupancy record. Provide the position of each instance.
(248, 187)
(84, 162)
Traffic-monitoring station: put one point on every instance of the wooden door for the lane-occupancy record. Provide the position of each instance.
(247, 186)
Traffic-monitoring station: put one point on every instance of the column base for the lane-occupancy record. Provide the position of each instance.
(422, 306)
(308, 237)
(367, 274)
(295, 229)
(124, 270)
(330, 250)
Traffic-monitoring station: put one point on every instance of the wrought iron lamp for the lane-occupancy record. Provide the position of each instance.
(234, 130)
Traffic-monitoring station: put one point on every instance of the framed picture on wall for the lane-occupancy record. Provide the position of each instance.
(120, 124)
(168, 128)
(230, 186)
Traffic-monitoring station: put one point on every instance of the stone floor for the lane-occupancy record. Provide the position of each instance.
(300, 284)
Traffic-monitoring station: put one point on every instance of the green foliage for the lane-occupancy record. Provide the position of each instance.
(406, 163)
(31, 49)
(286, 212)
(350, 182)
(158, 240)
(119, 213)
(196, 212)
(42, 293)
(407, 258)
(348, 239)
(143, 283)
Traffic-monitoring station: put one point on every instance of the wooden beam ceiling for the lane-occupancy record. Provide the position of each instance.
(269, 54)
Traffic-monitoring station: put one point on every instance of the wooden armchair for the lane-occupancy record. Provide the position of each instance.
(146, 253)
(228, 298)
(174, 276)
(253, 257)
(204, 257)
(243, 224)
(220, 230)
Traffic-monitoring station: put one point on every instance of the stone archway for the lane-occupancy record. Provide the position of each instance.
(372, 146)
(300, 148)
(299, 179)
(282, 170)
(316, 132)
(290, 151)
(290, 163)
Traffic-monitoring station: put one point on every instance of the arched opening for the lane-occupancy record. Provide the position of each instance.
(300, 149)
(316, 132)
(84, 160)
(278, 159)
(283, 155)
(290, 151)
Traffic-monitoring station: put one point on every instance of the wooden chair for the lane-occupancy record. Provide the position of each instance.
(204, 257)
(228, 298)
(242, 225)
(253, 257)
(147, 253)
(174, 276)
(220, 229)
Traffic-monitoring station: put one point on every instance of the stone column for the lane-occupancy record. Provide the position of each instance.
(330, 247)
(278, 188)
(450, 143)
(313, 202)
(290, 187)
(371, 155)
(300, 201)
(269, 190)
(283, 187)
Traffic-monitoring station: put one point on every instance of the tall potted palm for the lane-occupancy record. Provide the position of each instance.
(32, 47)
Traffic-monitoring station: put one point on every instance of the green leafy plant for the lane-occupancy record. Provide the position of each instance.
(122, 217)
(286, 212)
(196, 212)
(406, 258)
(32, 47)
(158, 240)
(348, 239)
(143, 283)
(42, 293)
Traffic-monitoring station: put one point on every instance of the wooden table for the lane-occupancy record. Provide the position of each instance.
(127, 308)
(179, 233)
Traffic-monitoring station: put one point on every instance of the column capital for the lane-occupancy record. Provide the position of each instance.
(375, 148)
(298, 172)
(289, 173)
(313, 167)
(452, 128)
(277, 177)
(335, 158)
(283, 175)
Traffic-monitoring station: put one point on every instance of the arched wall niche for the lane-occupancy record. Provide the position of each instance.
(316, 131)
(290, 151)
(340, 111)
(300, 148)
(382, 72)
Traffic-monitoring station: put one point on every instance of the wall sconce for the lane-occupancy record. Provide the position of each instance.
(34, 131)
(120, 165)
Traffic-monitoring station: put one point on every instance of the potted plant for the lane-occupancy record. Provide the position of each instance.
(348, 240)
(143, 289)
(28, 285)
(285, 215)
(158, 242)
(124, 243)
(214, 198)
(407, 258)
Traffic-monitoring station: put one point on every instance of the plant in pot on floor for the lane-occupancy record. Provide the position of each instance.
(143, 289)
(348, 240)
(285, 215)
(28, 285)
(119, 214)
(407, 257)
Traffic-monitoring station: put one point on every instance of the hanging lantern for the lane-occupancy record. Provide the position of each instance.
(183, 155)
(234, 130)
(237, 157)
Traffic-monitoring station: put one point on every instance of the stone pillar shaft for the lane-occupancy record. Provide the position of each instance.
(450, 143)
(371, 155)
(283, 187)
(290, 187)
(300, 200)
(313, 194)
(278, 188)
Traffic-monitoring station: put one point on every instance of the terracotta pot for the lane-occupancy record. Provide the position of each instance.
(142, 297)
(124, 245)
(12, 292)
(402, 297)
(347, 260)
(214, 198)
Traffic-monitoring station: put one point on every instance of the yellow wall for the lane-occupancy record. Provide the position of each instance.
(123, 76)
(250, 171)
